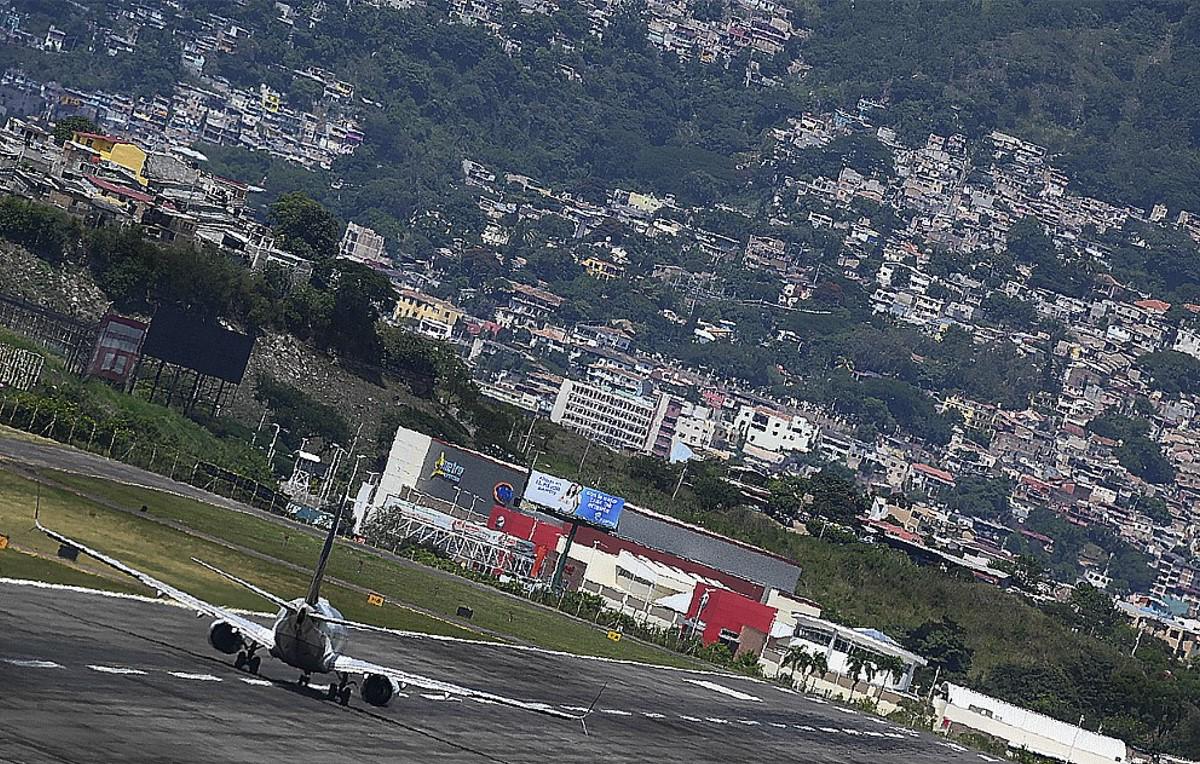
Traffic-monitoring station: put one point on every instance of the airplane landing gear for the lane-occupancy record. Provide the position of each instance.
(303, 680)
(248, 661)
(340, 691)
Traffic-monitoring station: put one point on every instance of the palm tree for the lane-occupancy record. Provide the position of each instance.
(796, 658)
(854, 666)
(819, 667)
(892, 667)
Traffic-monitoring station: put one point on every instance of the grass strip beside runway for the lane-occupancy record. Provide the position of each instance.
(432, 591)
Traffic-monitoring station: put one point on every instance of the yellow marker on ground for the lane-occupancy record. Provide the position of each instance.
(615, 636)
(3, 541)
(375, 599)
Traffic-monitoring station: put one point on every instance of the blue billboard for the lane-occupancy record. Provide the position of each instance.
(574, 500)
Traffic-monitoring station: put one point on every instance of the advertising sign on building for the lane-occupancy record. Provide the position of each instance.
(568, 498)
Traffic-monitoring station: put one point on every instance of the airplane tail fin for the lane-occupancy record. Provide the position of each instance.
(314, 588)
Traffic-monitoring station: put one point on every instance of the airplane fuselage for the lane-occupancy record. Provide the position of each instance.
(307, 643)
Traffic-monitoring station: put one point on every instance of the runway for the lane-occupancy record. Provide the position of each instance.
(90, 678)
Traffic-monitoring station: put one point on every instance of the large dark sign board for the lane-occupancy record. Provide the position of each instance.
(183, 340)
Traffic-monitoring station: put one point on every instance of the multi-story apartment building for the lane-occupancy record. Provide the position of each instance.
(615, 418)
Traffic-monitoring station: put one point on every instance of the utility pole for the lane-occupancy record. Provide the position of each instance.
(583, 459)
(678, 485)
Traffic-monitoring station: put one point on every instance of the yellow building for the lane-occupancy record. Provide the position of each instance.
(116, 151)
(604, 270)
(432, 316)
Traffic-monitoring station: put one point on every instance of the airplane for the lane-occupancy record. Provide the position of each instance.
(308, 634)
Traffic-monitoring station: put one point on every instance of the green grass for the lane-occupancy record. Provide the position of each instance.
(166, 554)
(423, 588)
(18, 564)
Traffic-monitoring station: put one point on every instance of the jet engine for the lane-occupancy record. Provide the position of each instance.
(377, 689)
(225, 638)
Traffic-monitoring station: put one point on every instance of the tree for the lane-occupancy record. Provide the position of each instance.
(1026, 571)
(892, 668)
(944, 644)
(1091, 610)
(304, 227)
(859, 666)
(797, 658)
(68, 126)
(818, 667)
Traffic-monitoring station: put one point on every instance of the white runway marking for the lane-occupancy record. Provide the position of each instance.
(786, 690)
(715, 720)
(828, 729)
(652, 715)
(689, 718)
(847, 711)
(255, 682)
(194, 677)
(723, 690)
(987, 758)
(117, 670)
(32, 663)
(849, 731)
(748, 722)
(805, 727)
(817, 700)
(615, 712)
(575, 709)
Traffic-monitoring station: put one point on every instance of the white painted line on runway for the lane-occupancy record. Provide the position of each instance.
(779, 725)
(817, 700)
(987, 758)
(715, 720)
(615, 712)
(484, 701)
(723, 690)
(827, 729)
(850, 711)
(689, 718)
(438, 696)
(255, 682)
(850, 731)
(576, 709)
(805, 727)
(872, 733)
(32, 663)
(117, 670)
(652, 715)
(748, 722)
(194, 677)
(786, 690)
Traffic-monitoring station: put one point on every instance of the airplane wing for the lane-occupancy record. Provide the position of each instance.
(250, 630)
(407, 679)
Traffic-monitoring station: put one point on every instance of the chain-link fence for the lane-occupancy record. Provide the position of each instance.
(63, 423)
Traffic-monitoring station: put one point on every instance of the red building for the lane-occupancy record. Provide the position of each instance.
(733, 619)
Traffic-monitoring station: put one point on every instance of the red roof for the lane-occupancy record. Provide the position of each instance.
(925, 469)
(102, 137)
(1036, 536)
(1158, 306)
(122, 191)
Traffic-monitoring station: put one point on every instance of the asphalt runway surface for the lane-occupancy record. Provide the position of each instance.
(92, 678)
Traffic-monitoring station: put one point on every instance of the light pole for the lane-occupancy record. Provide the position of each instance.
(274, 440)
(1075, 739)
